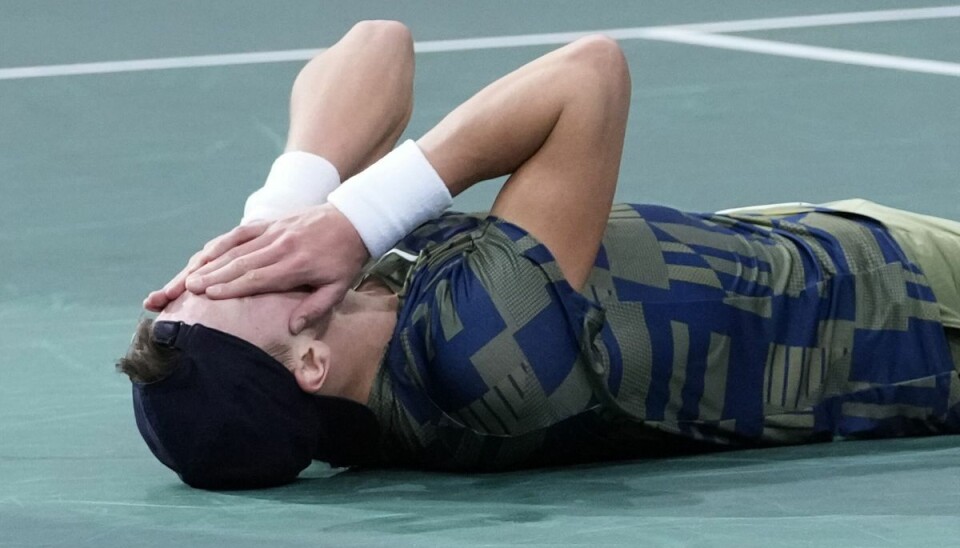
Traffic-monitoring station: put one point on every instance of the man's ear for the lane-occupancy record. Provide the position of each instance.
(313, 365)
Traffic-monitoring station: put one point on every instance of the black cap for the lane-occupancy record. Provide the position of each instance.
(230, 416)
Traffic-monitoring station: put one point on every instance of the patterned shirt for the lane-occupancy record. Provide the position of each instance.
(693, 331)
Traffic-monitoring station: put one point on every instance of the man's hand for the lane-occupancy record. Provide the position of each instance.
(157, 300)
(318, 248)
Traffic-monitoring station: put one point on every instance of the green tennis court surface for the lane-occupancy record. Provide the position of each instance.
(112, 178)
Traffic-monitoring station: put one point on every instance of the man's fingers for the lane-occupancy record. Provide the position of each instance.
(316, 305)
(248, 265)
(236, 237)
(211, 250)
(222, 260)
(173, 288)
(155, 301)
(270, 278)
(216, 248)
(254, 254)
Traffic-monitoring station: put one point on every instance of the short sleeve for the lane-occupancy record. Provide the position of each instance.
(495, 338)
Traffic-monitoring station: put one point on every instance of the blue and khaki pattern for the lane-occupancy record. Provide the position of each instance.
(694, 331)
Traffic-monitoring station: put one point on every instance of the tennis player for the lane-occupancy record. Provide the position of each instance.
(361, 325)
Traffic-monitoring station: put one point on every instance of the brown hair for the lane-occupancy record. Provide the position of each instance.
(147, 361)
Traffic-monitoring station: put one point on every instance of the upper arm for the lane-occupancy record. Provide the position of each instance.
(562, 194)
(557, 124)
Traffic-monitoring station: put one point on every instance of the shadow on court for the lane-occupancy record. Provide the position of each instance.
(669, 487)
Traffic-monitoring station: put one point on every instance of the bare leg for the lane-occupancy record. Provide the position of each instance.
(557, 124)
(351, 103)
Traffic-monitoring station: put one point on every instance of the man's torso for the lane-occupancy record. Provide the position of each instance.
(719, 330)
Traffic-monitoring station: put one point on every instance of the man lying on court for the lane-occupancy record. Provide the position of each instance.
(555, 330)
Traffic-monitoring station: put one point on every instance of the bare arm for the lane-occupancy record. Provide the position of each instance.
(556, 124)
(349, 105)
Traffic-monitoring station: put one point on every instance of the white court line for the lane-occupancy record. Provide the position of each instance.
(800, 51)
(492, 42)
(635, 33)
(826, 20)
(136, 65)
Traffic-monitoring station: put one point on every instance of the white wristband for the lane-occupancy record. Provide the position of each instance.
(393, 196)
(296, 181)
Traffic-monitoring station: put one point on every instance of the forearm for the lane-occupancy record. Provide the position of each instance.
(348, 106)
(492, 134)
(556, 125)
(351, 103)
